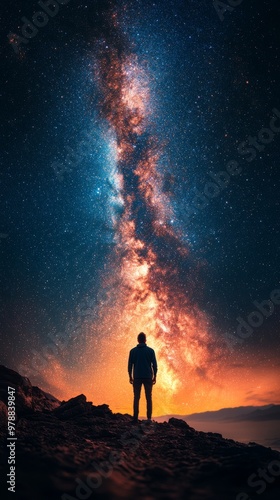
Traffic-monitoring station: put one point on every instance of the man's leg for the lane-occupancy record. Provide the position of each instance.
(148, 384)
(137, 391)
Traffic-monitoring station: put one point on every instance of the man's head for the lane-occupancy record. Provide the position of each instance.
(141, 338)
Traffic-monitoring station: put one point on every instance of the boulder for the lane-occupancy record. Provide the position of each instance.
(101, 411)
(74, 408)
(27, 397)
(22, 386)
(178, 422)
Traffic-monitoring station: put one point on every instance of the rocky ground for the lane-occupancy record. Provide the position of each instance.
(76, 450)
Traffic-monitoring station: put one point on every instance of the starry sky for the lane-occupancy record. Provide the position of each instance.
(117, 121)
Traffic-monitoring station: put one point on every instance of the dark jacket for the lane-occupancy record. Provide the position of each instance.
(143, 359)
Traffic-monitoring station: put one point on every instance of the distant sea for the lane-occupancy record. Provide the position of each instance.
(266, 433)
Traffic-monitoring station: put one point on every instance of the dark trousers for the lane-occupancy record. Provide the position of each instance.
(148, 385)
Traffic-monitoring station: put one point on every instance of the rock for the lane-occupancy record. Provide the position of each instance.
(214, 434)
(27, 397)
(158, 473)
(177, 422)
(22, 386)
(75, 407)
(101, 411)
(42, 400)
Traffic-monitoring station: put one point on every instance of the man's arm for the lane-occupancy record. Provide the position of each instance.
(154, 363)
(130, 365)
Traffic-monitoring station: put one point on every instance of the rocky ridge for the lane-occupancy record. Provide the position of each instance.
(76, 450)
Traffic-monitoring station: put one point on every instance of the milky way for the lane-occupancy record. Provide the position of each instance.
(153, 275)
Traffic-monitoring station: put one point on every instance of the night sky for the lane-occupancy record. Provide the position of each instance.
(117, 118)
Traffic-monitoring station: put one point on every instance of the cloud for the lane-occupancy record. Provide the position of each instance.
(267, 398)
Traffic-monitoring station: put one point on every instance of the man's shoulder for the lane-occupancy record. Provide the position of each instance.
(136, 349)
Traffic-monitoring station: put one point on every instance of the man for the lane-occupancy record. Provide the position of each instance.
(142, 360)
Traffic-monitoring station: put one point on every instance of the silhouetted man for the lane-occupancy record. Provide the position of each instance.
(142, 360)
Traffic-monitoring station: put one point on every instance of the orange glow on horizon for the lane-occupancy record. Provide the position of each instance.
(232, 388)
